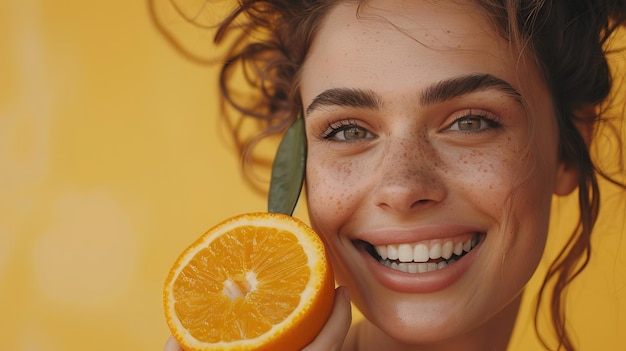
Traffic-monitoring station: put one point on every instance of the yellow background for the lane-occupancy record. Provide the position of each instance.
(113, 160)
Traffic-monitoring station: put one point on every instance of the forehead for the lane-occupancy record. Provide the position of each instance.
(396, 43)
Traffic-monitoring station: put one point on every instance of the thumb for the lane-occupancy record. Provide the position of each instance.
(333, 334)
(172, 345)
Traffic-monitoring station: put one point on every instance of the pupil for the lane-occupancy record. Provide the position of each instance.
(353, 133)
(469, 124)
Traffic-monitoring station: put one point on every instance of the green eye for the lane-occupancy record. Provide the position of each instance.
(352, 133)
(473, 124)
(346, 131)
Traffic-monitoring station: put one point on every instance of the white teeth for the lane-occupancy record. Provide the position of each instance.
(420, 253)
(458, 248)
(405, 253)
(467, 246)
(435, 251)
(422, 267)
(414, 258)
(411, 268)
(415, 267)
(446, 250)
(382, 251)
(392, 252)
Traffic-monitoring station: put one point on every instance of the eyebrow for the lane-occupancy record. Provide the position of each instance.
(358, 98)
(458, 86)
(444, 90)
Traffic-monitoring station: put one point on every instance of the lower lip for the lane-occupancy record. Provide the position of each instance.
(419, 283)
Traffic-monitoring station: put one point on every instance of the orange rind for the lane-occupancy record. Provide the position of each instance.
(258, 281)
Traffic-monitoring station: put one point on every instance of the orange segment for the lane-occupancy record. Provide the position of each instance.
(256, 281)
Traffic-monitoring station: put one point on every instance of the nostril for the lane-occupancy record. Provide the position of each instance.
(421, 203)
(399, 205)
(403, 203)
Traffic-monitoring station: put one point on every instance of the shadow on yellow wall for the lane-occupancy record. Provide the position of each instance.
(112, 162)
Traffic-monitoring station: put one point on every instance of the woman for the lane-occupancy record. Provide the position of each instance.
(437, 134)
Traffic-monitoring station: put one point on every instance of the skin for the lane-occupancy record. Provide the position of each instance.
(391, 162)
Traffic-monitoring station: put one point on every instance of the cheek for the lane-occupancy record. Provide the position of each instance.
(485, 176)
(511, 186)
(333, 190)
(517, 193)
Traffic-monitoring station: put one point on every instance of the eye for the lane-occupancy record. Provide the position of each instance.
(474, 122)
(346, 131)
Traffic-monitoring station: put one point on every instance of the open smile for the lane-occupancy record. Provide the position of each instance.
(421, 257)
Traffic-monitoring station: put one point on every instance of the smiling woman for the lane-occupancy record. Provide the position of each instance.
(447, 155)
(437, 135)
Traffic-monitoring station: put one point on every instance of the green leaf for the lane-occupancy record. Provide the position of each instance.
(288, 170)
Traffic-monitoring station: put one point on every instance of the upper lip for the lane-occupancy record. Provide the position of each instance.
(416, 234)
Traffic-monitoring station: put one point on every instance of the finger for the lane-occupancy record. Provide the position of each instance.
(172, 345)
(334, 333)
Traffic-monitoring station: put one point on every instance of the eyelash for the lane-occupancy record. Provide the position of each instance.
(493, 121)
(335, 127)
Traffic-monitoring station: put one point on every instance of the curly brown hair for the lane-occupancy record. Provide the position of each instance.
(268, 41)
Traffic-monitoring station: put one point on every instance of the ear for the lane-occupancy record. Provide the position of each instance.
(567, 174)
(566, 179)
(585, 119)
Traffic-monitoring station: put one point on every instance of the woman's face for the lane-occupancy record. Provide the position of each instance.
(432, 159)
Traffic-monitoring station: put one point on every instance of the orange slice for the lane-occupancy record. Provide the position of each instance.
(258, 281)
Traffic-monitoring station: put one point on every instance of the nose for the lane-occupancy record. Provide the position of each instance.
(410, 177)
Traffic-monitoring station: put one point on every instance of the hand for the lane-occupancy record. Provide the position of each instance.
(332, 335)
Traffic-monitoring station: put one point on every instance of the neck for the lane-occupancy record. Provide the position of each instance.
(493, 335)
